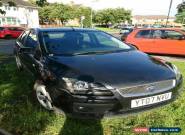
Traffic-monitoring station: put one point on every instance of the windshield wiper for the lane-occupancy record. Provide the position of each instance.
(97, 52)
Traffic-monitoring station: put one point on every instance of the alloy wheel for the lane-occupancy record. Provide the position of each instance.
(43, 97)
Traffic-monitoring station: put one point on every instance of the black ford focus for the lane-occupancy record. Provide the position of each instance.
(91, 74)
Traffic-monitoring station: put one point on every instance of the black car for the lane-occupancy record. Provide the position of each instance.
(90, 74)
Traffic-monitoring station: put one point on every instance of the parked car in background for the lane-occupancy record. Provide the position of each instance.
(158, 40)
(10, 32)
(124, 32)
(89, 73)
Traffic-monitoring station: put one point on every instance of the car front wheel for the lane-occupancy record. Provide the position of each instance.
(43, 96)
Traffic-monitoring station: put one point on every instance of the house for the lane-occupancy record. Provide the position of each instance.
(152, 19)
(23, 14)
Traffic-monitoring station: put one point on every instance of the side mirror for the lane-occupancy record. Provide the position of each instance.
(26, 50)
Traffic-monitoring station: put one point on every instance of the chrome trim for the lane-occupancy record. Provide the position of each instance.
(147, 89)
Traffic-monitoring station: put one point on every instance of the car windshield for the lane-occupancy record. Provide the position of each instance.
(81, 42)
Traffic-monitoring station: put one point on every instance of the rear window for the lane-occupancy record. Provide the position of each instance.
(143, 34)
(15, 29)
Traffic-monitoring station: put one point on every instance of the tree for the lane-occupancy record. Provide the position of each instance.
(44, 14)
(10, 3)
(83, 11)
(180, 16)
(41, 3)
(62, 12)
(112, 16)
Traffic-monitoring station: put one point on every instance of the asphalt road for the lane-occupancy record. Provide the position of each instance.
(6, 46)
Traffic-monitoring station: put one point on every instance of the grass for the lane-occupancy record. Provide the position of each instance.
(110, 30)
(20, 114)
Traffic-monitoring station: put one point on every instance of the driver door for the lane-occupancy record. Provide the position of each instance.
(171, 42)
(28, 58)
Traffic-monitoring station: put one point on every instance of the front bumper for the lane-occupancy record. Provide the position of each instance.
(92, 106)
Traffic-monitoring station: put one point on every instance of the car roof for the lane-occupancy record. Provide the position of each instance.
(7, 26)
(159, 29)
(64, 29)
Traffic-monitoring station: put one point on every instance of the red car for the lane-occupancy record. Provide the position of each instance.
(158, 40)
(10, 32)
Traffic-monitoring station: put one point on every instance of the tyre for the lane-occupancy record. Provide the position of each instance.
(18, 63)
(8, 37)
(42, 96)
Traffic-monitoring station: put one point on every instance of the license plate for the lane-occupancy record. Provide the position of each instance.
(150, 100)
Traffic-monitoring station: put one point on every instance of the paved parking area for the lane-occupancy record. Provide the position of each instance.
(6, 46)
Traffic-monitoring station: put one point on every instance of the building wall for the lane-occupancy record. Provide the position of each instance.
(20, 16)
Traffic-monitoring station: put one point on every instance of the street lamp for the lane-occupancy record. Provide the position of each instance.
(92, 12)
(91, 17)
(169, 12)
(81, 20)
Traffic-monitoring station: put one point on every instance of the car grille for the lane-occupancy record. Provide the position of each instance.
(147, 89)
(95, 96)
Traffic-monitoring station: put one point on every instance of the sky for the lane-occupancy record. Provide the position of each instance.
(138, 7)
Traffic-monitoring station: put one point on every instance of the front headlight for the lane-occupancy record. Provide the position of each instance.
(177, 72)
(79, 86)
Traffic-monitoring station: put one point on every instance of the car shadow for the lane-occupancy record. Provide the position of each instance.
(19, 112)
(81, 127)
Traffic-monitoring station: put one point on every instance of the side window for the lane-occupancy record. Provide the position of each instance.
(157, 34)
(102, 39)
(143, 34)
(23, 37)
(20, 29)
(86, 37)
(31, 40)
(170, 34)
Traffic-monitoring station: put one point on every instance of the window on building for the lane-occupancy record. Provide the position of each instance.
(14, 21)
(9, 20)
(7, 7)
(15, 8)
(18, 21)
(3, 20)
(30, 10)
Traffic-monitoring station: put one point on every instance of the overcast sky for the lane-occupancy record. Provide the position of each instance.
(138, 7)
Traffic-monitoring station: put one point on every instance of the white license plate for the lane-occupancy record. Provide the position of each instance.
(150, 100)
